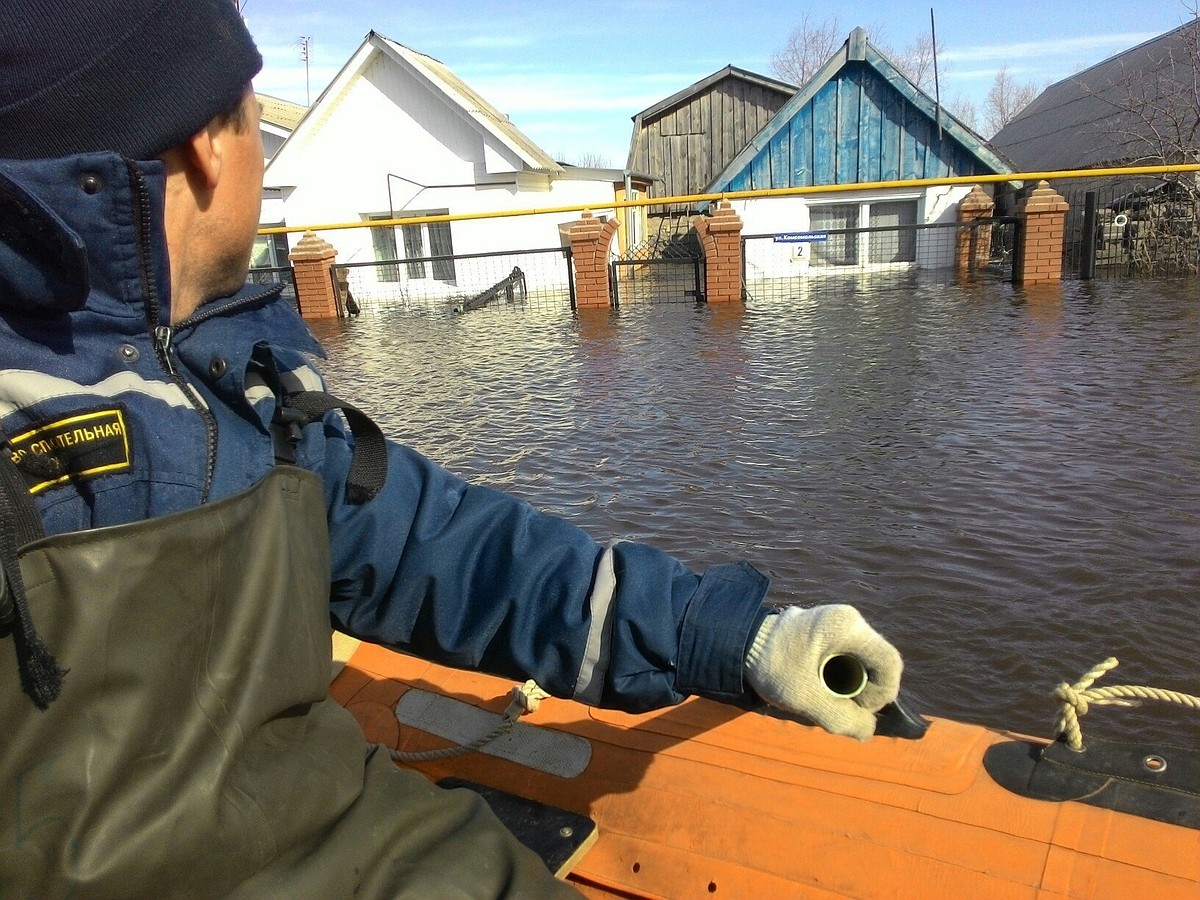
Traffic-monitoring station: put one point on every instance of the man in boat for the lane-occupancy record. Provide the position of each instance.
(184, 512)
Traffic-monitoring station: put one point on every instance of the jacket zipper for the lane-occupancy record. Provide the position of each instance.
(161, 334)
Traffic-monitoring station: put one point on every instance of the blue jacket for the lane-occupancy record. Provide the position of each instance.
(115, 416)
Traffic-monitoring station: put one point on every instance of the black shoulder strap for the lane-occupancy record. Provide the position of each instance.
(20, 524)
(368, 467)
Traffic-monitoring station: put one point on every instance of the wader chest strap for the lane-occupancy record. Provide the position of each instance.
(368, 467)
(21, 524)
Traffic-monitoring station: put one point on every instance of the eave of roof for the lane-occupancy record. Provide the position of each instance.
(461, 95)
(283, 113)
(483, 115)
(858, 48)
(705, 83)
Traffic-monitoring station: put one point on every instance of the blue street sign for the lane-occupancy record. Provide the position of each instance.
(801, 237)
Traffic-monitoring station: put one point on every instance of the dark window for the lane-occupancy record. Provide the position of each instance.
(837, 249)
(383, 240)
(414, 248)
(895, 246)
(441, 245)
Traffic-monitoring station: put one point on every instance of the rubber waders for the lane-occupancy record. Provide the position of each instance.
(193, 751)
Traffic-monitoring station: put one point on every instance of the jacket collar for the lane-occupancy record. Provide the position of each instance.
(83, 229)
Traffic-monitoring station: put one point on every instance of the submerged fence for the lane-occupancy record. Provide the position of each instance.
(783, 265)
(1131, 228)
(1118, 223)
(536, 278)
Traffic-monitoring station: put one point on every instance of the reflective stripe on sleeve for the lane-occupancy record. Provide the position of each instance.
(590, 683)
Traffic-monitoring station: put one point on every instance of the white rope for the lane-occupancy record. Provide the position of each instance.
(1077, 697)
(525, 699)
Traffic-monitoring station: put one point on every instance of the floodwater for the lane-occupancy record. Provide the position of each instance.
(1005, 482)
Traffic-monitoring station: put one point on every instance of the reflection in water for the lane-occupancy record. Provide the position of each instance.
(1006, 482)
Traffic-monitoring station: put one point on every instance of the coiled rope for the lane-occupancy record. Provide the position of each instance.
(525, 699)
(1077, 697)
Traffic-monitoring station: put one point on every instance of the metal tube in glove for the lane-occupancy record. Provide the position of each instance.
(788, 655)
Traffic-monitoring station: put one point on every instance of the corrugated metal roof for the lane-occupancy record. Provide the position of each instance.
(472, 103)
(1084, 120)
(279, 112)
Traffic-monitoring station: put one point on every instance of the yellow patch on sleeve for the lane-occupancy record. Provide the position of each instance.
(81, 446)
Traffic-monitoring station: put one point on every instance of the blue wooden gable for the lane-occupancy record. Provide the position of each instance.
(857, 120)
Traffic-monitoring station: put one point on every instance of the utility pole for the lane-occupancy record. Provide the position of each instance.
(304, 42)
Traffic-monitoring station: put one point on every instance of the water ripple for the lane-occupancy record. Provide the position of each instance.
(1009, 488)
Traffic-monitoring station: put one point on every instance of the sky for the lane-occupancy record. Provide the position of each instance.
(573, 75)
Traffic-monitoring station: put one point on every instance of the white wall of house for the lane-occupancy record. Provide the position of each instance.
(388, 144)
(798, 221)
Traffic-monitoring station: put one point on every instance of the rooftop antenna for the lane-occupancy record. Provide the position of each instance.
(304, 42)
(937, 88)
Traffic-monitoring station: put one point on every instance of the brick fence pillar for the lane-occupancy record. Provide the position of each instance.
(976, 205)
(721, 238)
(590, 239)
(311, 260)
(1039, 256)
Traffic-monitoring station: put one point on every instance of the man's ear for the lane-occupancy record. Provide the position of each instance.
(203, 154)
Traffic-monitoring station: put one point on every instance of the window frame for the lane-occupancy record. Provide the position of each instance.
(858, 251)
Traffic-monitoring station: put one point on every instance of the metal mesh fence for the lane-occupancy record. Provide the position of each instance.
(1131, 227)
(284, 275)
(530, 278)
(665, 280)
(666, 267)
(785, 265)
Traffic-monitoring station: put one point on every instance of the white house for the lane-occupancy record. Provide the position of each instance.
(277, 119)
(396, 134)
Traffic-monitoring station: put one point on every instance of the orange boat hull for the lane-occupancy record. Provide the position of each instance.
(704, 800)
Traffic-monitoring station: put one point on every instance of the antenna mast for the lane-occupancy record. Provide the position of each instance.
(304, 42)
(937, 87)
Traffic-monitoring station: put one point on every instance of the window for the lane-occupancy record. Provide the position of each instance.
(441, 245)
(837, 249)
(900, 243)
(414, 248)
(383, 241)
(428, 247)
(849, 244)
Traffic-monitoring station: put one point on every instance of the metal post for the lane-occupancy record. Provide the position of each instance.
(1087, 253)
(569, 259)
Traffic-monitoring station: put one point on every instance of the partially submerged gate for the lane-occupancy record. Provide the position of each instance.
(667, 267)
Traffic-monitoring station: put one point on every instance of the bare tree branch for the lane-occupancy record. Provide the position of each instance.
(808, 47)
(1005, 99)
(813, 41)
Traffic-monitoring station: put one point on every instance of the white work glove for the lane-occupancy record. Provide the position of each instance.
(786, 658)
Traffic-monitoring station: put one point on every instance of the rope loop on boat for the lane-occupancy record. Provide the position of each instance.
(1075, 699)
(525, 699)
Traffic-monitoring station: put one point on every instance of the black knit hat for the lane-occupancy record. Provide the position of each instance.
(134, 76)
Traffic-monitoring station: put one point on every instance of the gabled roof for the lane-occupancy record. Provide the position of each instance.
(858, 52)
(704, 84)
(1078, 122)
(458, 93)
(281, 113)
(439, 79)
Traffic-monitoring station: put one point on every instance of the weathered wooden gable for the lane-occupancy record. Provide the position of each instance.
(688, 138)
(857, 120)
